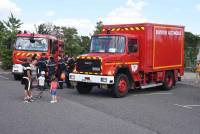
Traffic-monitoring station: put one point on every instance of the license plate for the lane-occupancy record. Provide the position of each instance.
(84, 80)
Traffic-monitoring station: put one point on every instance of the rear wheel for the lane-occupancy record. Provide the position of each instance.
(121, 86)
(169, 81)
(84, 88)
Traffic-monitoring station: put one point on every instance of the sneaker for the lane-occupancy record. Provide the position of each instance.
(27, 101)
(52, 101)
(31, 100)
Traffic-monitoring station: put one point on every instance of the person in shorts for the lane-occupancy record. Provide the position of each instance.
(26, 80)
(41, 84)
(53, 88)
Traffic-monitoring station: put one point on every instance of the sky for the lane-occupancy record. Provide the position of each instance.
(83, 14)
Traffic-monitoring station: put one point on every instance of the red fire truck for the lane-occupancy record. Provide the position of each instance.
(131, 56)
(30, 44)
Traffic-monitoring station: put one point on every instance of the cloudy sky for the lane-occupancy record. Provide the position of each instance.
(83, 14)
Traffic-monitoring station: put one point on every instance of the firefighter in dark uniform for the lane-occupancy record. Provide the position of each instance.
(26, 80)
(70, 68)
(51, 69)
(42, 63)
(61, 69)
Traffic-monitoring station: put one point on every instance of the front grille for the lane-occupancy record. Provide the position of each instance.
(89, 65)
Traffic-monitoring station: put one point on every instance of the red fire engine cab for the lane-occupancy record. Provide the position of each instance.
(30, 44)
(130, 56)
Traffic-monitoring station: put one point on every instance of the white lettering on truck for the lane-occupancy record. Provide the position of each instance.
(170, 32)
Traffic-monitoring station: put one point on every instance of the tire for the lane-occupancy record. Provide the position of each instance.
(84, 88)
(16, 77)
(169, 81)
(121, 87)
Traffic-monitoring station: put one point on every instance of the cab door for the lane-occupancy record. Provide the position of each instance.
(133, 54)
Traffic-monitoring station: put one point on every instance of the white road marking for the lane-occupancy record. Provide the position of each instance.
(183, 106)
(159, 94)
(187, 106)
(193, 105)
(4, 77)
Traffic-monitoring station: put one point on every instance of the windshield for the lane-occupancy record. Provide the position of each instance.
(108, 44)
(35, 44)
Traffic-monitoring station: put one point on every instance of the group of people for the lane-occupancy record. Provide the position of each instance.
(46, 73)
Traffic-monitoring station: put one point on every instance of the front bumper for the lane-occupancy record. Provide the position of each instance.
(97, 79)
(17, 69)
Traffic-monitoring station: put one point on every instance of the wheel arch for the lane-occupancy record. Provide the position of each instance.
(124, 70)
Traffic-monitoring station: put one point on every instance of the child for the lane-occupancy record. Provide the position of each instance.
(41, 84)
(53, 88)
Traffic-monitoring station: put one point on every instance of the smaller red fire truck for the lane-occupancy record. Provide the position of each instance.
(131, 56)
(30, 44)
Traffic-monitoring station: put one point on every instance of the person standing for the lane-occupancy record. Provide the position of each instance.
(34, 70)
(51, 69)
(53, 88)
(42, 63)
(60, 71)
(70, 68)
(26, 80)
(41, 84)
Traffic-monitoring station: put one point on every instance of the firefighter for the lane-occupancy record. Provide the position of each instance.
(70, 68)
(51, 69)
(42, 63)
(60, 71)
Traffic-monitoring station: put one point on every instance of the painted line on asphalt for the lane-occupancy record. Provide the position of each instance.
(193, 105)
(159, 94)
(187, 106)
(4, 77)
(183, 106)
(194, 85)
(153, 94)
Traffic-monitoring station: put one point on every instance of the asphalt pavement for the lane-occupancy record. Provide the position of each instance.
(149, 111)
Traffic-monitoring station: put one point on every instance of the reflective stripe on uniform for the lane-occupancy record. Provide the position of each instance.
(29, 83)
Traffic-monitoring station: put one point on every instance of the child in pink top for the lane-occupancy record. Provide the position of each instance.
(53, 88)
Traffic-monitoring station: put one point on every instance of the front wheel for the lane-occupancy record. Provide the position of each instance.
(84, 88)
(121, 86)
(169, 81)
(16, 77)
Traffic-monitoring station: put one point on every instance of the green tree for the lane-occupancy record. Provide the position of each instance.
(84, 43)
(8, 31)
(12, 24)
(98, 28)
(191, 50)
(71, 41)
(50, 29)
(45, 28)
(3, 31)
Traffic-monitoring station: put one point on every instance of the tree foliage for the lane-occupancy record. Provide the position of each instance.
(8, 31)
(191, 48)
(98, 28)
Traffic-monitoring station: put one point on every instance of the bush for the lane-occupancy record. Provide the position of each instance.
(6, 59)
